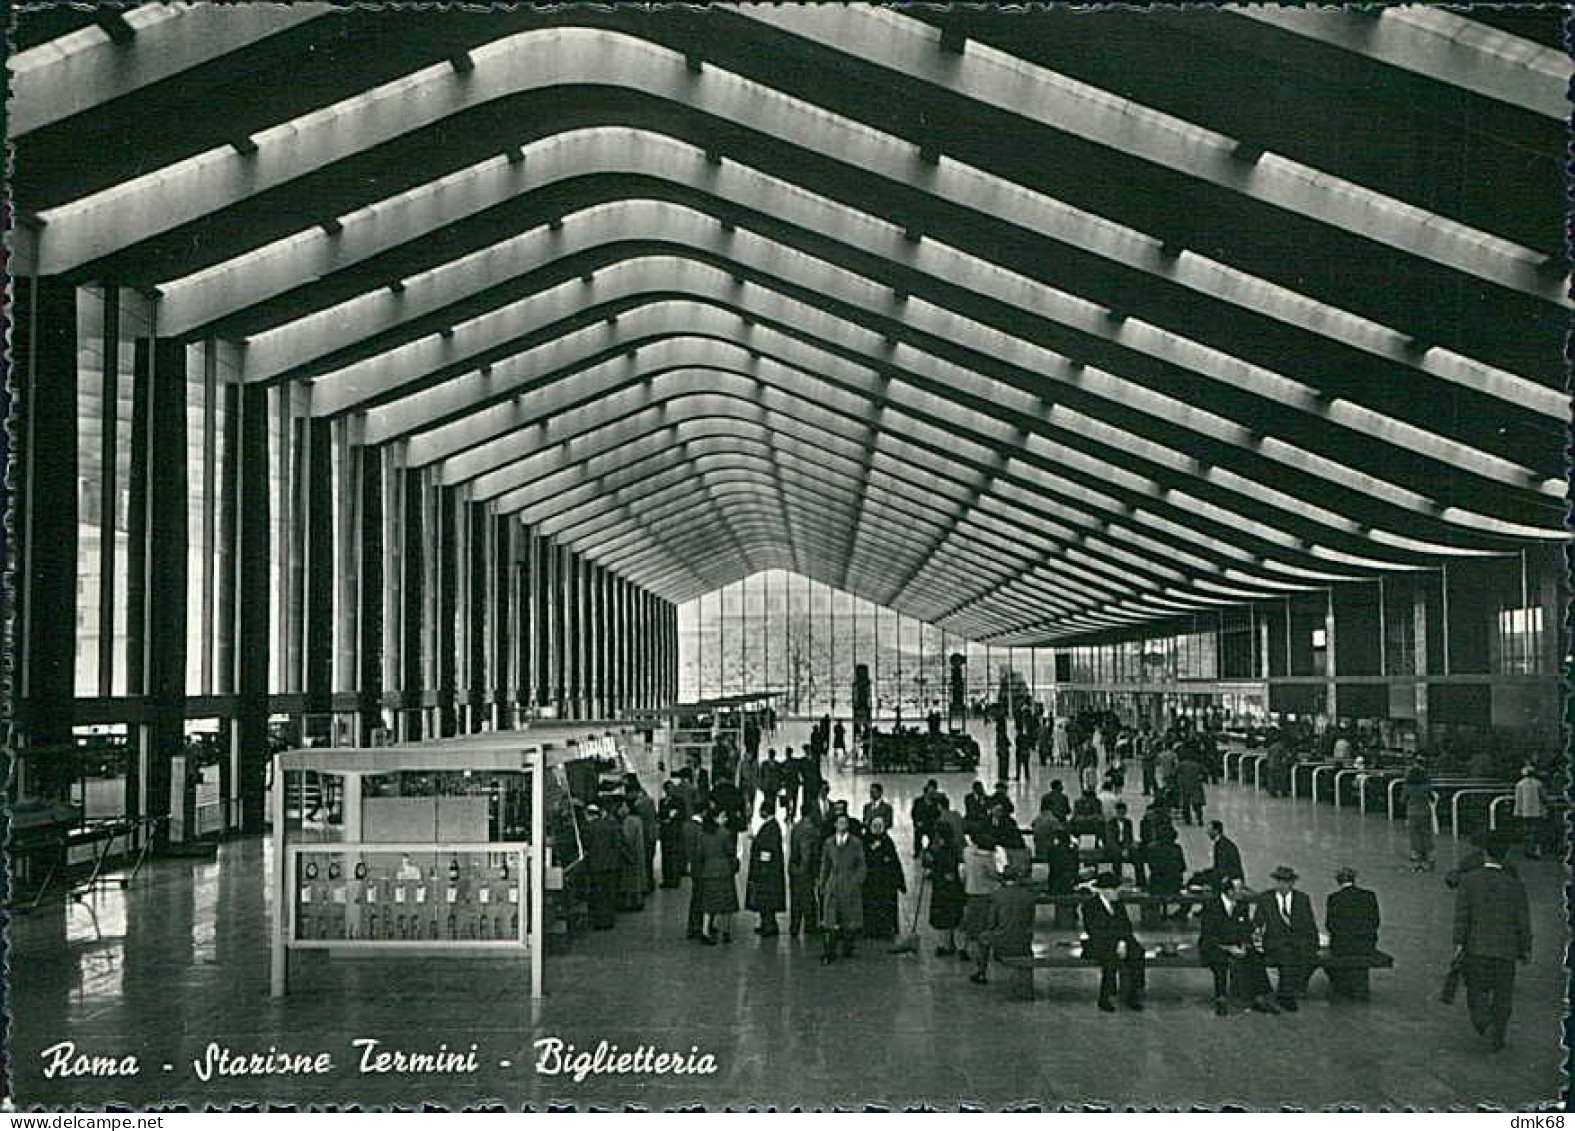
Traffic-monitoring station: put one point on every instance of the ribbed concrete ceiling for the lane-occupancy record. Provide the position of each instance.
(1029, 325)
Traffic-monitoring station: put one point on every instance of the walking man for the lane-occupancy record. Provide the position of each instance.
(1493, 931)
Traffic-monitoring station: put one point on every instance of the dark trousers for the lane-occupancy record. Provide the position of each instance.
(1123, 973)
(1245, 977)
(1003, 765)
(1353, 984)
(1294, 969)
(1191, 811)
(841, 937)
(803, 913)
(675, 861)
(1022, 763)
(696, 916)
(601, 900)
(1132, 854)
(1490, 993)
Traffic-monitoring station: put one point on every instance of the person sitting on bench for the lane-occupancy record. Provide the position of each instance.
(1167, 867)
(1088, 817)
(1010, 933)
(1121, 845)
(1045, 828)
(1290, 935)
(1112, 943)
(1229, 946)
(1063, 868)
(1057, 802)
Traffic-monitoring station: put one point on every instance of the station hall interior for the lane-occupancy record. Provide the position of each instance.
(426, 422)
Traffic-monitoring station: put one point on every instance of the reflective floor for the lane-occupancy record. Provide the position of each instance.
(180, 960)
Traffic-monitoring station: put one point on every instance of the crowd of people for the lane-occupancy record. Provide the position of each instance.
(841, 876)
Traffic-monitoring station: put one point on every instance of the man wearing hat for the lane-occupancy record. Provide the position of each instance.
(1351, 917)
(1112, 943)
(1290, 935)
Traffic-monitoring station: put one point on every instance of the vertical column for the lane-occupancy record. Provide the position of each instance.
(630, 671)
(577, 634)
(319, 571)
(525, 622)
(596, 640)
(593, 616)
(647, 651)
(505, 620)
(369, 594)
(604, 651)
(414, 590)
(568, 639)
(443, 640)
(557, 651)
(254, 611)
(672, 654)
(637, 642)
(587, 635)
(161, 371)
(620, 641)
(478, 681)
(44, 333)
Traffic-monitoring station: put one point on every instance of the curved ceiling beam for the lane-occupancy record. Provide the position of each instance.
(1437, 45)
(766, 440)
(972, 501)
(821, 427)
(74, 73)
(885, 37)
(551, 496)
(608, 226)
(680, 317)
(158, 202)
(634, 278)
(907, 485)
(621, 445)
(664, 493)
(302, 258)
(448, 400)
(659, 407)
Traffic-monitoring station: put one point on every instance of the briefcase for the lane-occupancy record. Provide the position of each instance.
(1452, 976)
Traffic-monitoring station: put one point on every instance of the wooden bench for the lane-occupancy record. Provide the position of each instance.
(1022, 967)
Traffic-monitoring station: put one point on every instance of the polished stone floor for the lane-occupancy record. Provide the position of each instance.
(181, 960)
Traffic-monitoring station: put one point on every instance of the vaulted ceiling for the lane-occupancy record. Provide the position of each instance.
(1028, 324)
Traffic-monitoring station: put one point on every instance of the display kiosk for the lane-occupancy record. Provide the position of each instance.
(428, 849)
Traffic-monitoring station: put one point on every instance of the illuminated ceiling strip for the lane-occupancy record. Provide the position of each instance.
(669, 274)
(1056, 581)
(1438, 45)
(78, 71)
(138, 209)
(884, 37)
(296, 260)
(770, 341)
(382, 422)
(875, 521)
(616, 442)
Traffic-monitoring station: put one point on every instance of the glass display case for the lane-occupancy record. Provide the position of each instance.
(422, 848)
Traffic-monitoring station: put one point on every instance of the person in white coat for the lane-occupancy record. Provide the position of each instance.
(1531, 812)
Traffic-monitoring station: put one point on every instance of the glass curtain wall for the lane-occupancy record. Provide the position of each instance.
(780, 631)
